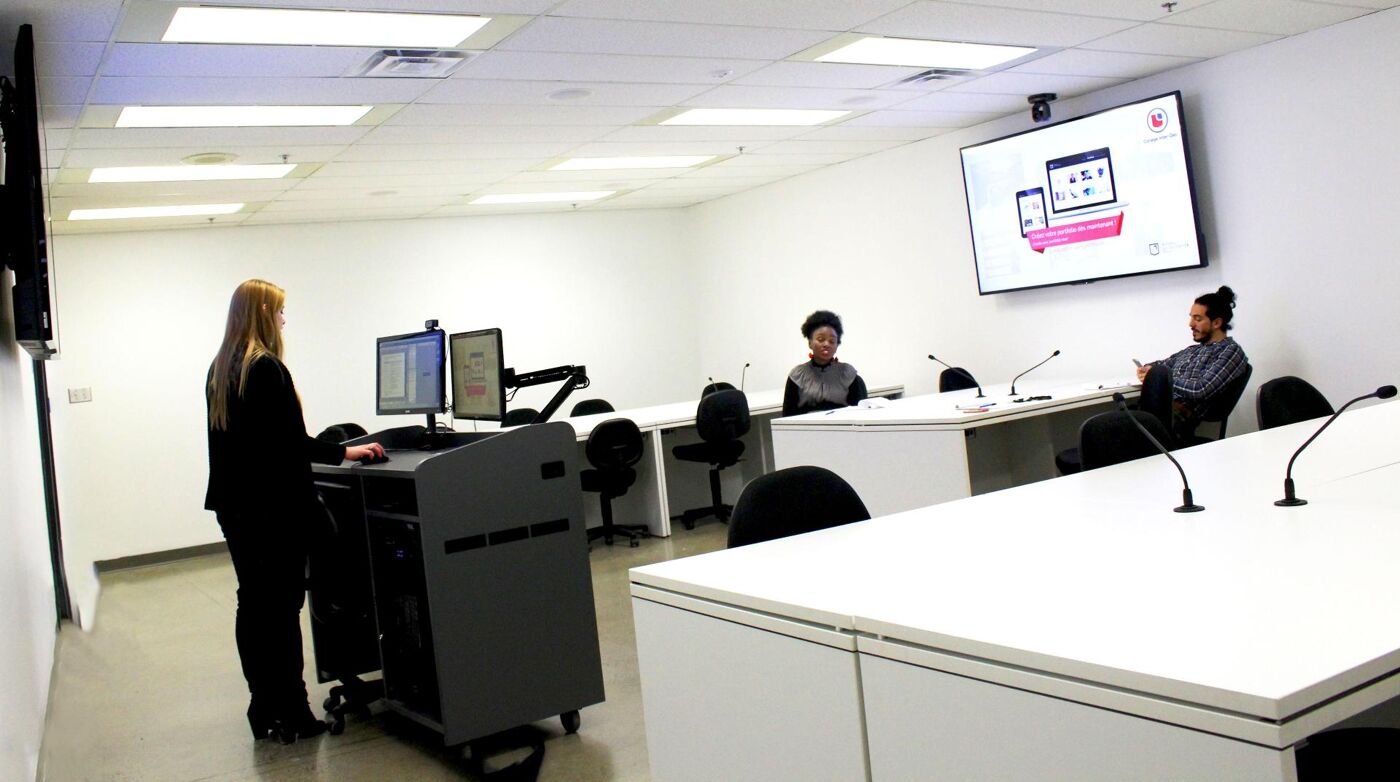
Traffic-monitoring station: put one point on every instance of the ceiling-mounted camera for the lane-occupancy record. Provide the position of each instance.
(1040, 105)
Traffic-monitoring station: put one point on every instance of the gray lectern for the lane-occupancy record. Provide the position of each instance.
(481, 587)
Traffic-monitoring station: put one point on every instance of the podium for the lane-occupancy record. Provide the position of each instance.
(480, 609)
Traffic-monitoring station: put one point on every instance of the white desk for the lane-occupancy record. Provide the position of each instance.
(1074, 629)
(663, 482)
(923, 450)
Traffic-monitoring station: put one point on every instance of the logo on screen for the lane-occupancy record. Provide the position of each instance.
(1157, 120)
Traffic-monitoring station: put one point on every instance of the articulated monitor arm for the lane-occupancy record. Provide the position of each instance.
(573, 376)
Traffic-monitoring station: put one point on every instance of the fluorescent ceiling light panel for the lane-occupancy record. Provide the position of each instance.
(543, 198)
(754, 117)
(189, 173)
(288, 26)
(925, 54)
(128, 212)
(238, 116)
(613, 163)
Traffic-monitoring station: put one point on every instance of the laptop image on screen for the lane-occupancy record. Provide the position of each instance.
(1081, 183)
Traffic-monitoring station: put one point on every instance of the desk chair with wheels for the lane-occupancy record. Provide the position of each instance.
(339, 433)
(591, 407)
(722, 418)
(792, 501)
(1154, 399)
(717, 386)
(955, 379)
(1288, 400)
(1110, 438)
(1217, 409)
(613, 447)
(519, 416)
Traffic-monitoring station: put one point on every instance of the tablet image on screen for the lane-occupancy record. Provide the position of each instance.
(1030, 208)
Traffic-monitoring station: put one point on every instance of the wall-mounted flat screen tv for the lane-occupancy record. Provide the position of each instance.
(1109, 194)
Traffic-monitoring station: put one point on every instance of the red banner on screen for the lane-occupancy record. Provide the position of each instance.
(1074, 233)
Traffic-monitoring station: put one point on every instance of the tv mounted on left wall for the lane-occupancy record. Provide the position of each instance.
(24, 241)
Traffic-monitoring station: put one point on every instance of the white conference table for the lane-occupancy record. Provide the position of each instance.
(664, 482)
(923, 450)
(1074, 629)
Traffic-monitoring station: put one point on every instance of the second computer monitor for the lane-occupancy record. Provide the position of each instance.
(478, 366)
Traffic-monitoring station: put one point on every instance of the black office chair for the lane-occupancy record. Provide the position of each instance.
(722, 418)
(955, 379)
(1154, 399)
(1288, 400)
(1110, 438)
(613, 447)
(713, 387)
(1217, 409)
(519, 416)
(339, 433)
(792, 501)
(591, 407)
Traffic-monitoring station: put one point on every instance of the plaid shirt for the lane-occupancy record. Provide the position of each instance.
(1201, 370)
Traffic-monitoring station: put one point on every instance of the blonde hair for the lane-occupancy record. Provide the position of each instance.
(250, 333)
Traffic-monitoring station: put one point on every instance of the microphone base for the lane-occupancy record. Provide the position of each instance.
(1189, 508)
(1290, 502)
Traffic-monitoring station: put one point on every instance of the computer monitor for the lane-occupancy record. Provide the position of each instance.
(410, 373)
(478, 368)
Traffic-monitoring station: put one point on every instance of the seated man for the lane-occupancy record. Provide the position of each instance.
(1200, 371)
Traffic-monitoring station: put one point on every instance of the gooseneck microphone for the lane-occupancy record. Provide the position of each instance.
(1023, 374)
(743, 375)
(1188, 504)
(962, 372)
(1291, 500)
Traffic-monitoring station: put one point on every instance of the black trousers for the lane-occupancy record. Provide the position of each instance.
(269, 553)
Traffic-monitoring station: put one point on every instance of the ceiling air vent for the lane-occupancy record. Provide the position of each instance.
(933, 74)
(412, 64)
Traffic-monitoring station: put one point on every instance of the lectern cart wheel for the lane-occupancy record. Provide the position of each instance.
(571, 721)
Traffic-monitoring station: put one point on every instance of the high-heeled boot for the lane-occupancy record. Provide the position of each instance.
(260, 721)
(300, 723)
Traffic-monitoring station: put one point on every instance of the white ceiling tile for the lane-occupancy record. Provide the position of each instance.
(213, 91)
(1140, 10)
(631, 148)
(461, 186)
(427, 152)
(455, 114)
(984, 24)
(805, 15)
(830, 75)
(334, 216)
(430, 136)
(1179, 41)
(921, 119)
(422, 6)
(63, 20)
(57, 138)
(212, 222)
(213, 139)
(231, 61)
(67, 59)
(473, 91)
(582, 66)
(60, 207)
(64, 90)
(88, 157)
(855, 133)
(398, 182)
(200, 192)
(1279, 17)
(816, 147)
(60, 116)
(1013, 83)
(762, 159)
(588, 180)
(746, 136)
(1376, 4)
(1122, 65)
(355, 204)
(421, 168)
(558, 34)
(709, 186)
(737, 97)
(968, 102)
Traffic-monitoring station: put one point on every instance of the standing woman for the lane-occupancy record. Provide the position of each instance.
(823, 383)
(261, 492)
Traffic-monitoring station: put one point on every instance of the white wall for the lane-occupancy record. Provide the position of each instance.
(1295, 163)
(26, 579)
(143, 313)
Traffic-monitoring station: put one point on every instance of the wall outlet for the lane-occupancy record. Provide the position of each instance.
(76, 395)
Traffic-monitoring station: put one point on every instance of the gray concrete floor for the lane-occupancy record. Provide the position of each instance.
(154, 692)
